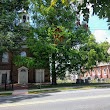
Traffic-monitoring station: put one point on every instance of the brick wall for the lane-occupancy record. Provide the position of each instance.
(99, 72)
(14, 72)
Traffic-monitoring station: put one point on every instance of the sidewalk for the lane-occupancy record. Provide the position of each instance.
(17, 90)
(25, 90)
(20, 89)
(20, 92)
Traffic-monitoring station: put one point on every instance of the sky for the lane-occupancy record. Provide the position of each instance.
(99, 28)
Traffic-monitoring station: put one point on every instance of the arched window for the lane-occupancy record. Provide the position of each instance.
(23, 70)
(24, 18)
(23, 54)
(5, 57)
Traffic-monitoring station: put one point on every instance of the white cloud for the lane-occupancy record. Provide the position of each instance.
(102, 35)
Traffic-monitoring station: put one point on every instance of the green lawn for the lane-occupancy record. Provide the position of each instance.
(38, 86)
(6, 94)
(57, 90)
(45, 88)
(35, 89)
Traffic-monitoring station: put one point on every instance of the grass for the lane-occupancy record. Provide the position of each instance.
(61, 86)
(43, 91)
(42, 86)
(57, 90)
(36, 89)
(5, 94)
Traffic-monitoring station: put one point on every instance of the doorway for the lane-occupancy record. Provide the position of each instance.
(4, 78)
(23, 75)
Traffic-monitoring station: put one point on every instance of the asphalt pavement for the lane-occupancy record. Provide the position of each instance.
(93, 99)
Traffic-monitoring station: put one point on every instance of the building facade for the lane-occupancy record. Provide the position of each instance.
(21, 75)
(101, 71)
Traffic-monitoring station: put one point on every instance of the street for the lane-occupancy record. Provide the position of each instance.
(93, 99)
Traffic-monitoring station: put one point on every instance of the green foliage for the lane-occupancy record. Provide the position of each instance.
(24, 61)
(104, 46)
(64, 2)
(100, 8)
(40, 52)
(10, 34)
(93, 53)
(76, 51)
(56, 37)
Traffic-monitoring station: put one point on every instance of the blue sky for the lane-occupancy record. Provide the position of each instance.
(99, 28)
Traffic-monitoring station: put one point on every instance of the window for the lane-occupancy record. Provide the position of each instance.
(5, 57)
(24, 18)
(93, 71)
(104, 70)
(99, 70)
(23, 54)
(23, 70)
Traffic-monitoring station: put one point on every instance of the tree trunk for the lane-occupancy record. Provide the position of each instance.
(53, 70)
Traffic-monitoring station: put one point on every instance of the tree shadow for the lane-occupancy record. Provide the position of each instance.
(18, 98)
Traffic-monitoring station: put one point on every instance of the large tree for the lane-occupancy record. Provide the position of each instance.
(55, 37)
(100, 8)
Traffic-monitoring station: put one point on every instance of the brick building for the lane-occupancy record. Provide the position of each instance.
(21, 75)
(102, 70)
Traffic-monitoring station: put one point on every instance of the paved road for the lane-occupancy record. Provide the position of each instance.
(95, 99)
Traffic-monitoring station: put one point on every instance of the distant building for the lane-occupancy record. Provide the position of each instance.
(102, 70)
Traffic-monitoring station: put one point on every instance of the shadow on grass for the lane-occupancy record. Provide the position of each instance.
(74, 85)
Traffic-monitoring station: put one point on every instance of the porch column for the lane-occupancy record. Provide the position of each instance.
(8, 76)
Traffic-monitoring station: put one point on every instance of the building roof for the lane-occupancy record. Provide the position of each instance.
(103, 64)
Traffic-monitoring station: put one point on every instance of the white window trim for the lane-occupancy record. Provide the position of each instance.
(5, 57)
